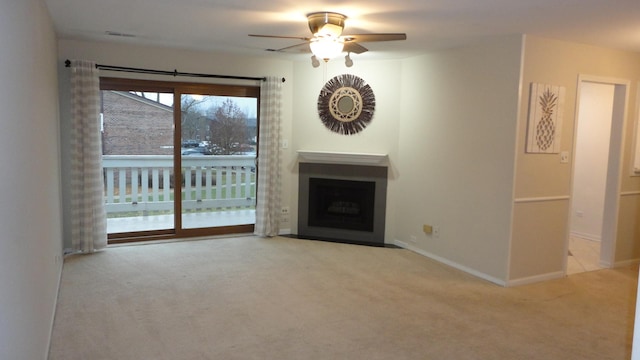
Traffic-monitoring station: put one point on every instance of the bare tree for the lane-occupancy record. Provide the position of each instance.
(228, 129)
(193, 122)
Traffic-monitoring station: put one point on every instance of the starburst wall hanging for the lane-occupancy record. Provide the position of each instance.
(546, 104)
(346, 104)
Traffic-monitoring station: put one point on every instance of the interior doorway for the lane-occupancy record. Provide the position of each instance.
(596, 174)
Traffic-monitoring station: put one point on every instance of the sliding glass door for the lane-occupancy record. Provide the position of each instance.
(218, 154)
(178, 159)
(137, 147)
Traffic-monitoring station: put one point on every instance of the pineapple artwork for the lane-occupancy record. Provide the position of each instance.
(546, 129)
(545, 118)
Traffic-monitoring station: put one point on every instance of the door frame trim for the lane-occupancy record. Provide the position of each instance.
(614, 167)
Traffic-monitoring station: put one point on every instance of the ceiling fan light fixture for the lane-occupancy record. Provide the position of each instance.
(328, 42)
(326, 48)
(314, 61)
(329, 30)
(326, 23)
(348, 61)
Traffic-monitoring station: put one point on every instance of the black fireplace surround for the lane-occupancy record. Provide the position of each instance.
(343, 203)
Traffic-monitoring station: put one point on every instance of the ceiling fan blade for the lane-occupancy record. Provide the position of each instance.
(375, 37)
(302, 47)
(354, 47)
(281, 37)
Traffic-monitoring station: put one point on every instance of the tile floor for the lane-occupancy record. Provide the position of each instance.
(584, 255)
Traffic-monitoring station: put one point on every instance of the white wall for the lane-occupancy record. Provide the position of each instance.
(457, 139)
(448, 123)
(381, 136)
(543, 182)
(30, 206)
(636, 146)
(591, 159)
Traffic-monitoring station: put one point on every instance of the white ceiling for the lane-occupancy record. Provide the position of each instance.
(223, 25)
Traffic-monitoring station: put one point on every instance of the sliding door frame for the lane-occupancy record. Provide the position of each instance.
(179, 88)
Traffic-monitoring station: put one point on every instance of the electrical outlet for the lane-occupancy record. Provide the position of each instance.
(284, 214)
(436, 231)
(564, 157)
(412, 239)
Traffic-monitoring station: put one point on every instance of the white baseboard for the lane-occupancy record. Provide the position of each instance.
(448, 262)
(591, 237)
(509, 283)
(536, 278)
(626, 263)
(284, 232)
(605, 264)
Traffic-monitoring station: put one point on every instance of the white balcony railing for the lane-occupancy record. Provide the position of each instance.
(145, 183)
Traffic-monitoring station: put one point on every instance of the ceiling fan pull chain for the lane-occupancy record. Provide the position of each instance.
(324, 72)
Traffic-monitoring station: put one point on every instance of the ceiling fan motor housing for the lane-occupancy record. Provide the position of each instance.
(326, 23)
(327, 40)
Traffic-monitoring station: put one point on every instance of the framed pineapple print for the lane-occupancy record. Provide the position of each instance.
(546, 103)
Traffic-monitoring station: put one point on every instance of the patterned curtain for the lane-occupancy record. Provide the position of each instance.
(88, 217)
(268, 196)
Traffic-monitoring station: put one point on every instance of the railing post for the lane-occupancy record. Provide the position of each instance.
(110, 185)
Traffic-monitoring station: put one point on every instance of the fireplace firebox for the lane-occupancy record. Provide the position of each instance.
(340, 202)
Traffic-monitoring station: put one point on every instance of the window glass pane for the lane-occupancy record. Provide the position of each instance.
(137, 143)
(219, 135)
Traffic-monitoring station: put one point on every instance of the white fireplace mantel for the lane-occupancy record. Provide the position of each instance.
(330, 157)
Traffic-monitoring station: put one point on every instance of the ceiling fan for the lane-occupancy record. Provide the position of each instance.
(327, 40)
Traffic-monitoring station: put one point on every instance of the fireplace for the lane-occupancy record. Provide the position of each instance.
(342, 202)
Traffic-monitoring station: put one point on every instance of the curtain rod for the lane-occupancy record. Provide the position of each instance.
(67, 63)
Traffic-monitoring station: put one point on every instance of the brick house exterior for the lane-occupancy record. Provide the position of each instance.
(134, 125)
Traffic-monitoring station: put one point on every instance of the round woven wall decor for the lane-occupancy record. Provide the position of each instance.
(346, 104)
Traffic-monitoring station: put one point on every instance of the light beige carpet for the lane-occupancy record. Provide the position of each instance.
(281, 298)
